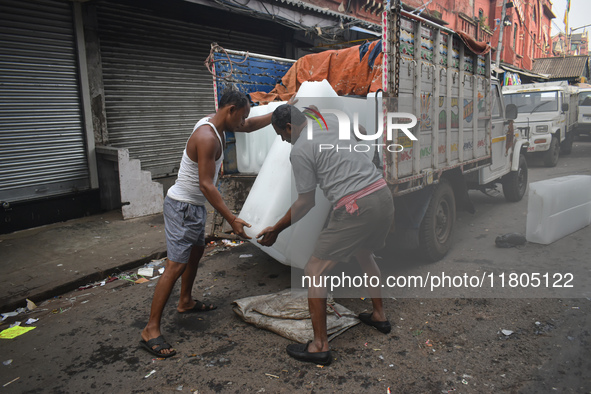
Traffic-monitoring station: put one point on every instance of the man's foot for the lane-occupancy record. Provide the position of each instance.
(381, 326)
(158, 347)
(198, 306)
(300, 352)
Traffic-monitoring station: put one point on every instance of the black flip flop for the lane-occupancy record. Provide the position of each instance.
(161, 345)
(201, 307)
(382, 326)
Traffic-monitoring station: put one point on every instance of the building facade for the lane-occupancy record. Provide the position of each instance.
(572, 45)
(526, 31)
(98, 97)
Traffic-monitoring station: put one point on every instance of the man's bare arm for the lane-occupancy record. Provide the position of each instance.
(207, 147)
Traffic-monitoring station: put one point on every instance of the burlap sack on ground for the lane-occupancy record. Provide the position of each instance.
(286, 313)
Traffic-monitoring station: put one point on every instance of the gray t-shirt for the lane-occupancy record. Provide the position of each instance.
(339, 172)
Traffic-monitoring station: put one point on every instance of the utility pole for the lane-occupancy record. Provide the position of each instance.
(500, 44)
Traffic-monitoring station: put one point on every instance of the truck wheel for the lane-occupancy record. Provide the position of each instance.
(551, 156)
(567, 145)
(437, 225)
(515, 182)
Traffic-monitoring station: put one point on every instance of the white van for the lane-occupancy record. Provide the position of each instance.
(584, 125)
(549, 110)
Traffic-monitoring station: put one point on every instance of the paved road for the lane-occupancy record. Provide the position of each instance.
(86, 341)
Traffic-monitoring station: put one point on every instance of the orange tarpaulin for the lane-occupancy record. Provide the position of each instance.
(351, 71)
(343, 69)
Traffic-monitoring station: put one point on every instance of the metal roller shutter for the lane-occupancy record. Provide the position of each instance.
(156, 84)
(42, 143)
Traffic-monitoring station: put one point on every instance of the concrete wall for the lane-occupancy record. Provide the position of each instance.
(124, 184)
(95, 75)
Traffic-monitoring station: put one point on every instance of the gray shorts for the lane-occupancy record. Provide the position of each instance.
(347, 234)
(184, 225)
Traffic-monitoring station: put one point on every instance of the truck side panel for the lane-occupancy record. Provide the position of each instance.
(448, 90)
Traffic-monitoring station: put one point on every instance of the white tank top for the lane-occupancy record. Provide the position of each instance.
(186, 187)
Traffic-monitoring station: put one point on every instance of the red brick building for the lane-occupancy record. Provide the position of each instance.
(526, 34)
(527, 23)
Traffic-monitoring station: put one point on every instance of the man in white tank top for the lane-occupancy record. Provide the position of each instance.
(184, 211)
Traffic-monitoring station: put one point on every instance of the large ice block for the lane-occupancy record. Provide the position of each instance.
(269, 199)
(274, 191)
(252, 148)
(558, 207)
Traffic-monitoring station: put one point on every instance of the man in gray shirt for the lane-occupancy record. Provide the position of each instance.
(363, 211)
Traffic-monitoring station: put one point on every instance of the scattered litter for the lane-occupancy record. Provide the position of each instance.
(84, 302)
(245, 256)
(272, 376)
(320, 366)
(8, 314)
(103, 283)
(141, 280)
(464, 381)
(150, 374)
(232, 244)
(31, 321)
(365, 344)
(510, 240)
(60, 265)
(15, 324)
(161, 270)
(507, 332)
(428, 343)
(391, 365)
(14, 332)
(156, 277)
(335, 311)
(7, 362)
(570, 338)
(381, 357)
(179, 388)
(146, 271)
(467, 376)
(12, 381)
(388, 391)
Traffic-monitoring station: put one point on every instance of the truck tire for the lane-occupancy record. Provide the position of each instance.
(551, 156)
(567, 145)
(437, 226)
(515, 182)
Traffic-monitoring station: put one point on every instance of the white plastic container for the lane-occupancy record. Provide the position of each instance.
(252, 148)
(558, 207)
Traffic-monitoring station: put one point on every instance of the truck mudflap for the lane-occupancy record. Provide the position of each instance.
(517, 152)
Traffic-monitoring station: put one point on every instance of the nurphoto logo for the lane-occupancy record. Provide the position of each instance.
(394, 121)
